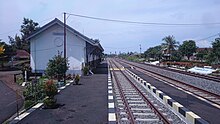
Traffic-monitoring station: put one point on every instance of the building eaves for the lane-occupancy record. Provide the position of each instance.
(57, 21)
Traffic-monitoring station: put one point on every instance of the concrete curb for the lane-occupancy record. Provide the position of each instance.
(22, 114)
(185, 114)
(111, 104)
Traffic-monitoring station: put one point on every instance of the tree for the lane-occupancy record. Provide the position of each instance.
(154, 52)
(20, 42)
(202, 55)
(16, 42)
(214, 56)
(8, 51)
(169, 46)
(28, 27)
(188, 48)
(176, 56)
(57, 67)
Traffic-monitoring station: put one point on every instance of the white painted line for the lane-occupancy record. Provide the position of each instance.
(109, 87)
(109, 91)
(37, 106)
(201, 98)
(179, 88)
(188, 92)
(111, 105)
(216, 105)
(67, 84)
(62, 88)
(110, 97)
(58, 91)
(111, 117)
(22, 116)
(109, 84)
(109, 81)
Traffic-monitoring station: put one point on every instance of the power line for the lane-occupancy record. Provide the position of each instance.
(144, 23)
(218, 34)
(120, 47)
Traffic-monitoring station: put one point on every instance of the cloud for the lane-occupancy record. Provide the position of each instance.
(118, 34)
(203, 44)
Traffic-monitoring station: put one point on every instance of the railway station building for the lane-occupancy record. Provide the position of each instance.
(49, 39)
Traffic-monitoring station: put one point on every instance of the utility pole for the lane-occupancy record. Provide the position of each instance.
(64, 45)
(140, 48)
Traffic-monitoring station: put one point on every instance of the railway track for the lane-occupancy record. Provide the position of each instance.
(209, 97)
(134, 105)
(207, 77)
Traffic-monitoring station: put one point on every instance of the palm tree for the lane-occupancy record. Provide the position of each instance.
(169, 46)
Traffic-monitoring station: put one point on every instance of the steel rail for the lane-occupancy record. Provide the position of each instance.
(212, 78)
(156, 111)
(131, 117)
(191, 86)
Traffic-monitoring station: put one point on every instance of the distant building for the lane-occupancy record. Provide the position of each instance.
(194, 58)
(48, 40)
(20, 58)
(203, 49)
(166, 54)
(21, 54)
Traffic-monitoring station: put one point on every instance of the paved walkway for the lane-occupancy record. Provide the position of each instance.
(83, 104)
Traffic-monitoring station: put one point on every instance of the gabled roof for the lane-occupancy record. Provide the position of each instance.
(22, 54)
(57, 21)
(202, 49)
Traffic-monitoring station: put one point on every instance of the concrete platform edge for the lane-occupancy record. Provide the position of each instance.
(186, 114)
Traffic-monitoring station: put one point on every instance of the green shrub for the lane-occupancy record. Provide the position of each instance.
(86, 70)
(49, 103)
(28, 104)
(50, 89)
(77, 78)
(57, 67)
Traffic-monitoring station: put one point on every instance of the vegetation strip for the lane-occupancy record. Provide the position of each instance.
(24, 114)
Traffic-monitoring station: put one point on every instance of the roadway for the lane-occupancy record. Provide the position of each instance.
(8, 102)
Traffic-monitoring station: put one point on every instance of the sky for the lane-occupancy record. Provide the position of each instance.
(114, 36)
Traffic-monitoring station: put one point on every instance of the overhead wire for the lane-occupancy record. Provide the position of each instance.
(144, 23)
(120, 47)
(218, 34)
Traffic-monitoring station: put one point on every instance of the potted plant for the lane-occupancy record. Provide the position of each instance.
(77, 78)
(50, 90)
(86, 70)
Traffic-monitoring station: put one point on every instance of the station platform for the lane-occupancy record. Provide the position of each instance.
(82, 104)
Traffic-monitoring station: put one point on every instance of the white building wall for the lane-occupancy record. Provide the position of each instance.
(75, 52)
(47, 44)
(90, 58)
